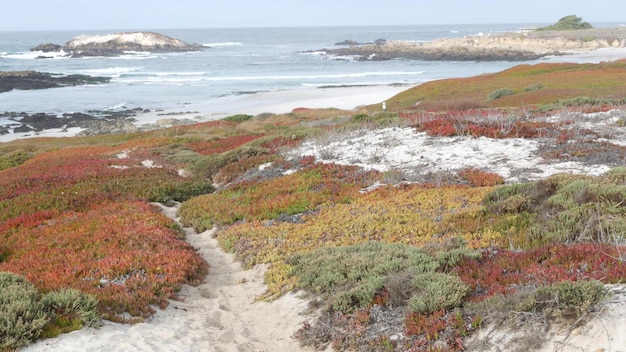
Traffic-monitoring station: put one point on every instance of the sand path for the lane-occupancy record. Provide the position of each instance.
(219, 315)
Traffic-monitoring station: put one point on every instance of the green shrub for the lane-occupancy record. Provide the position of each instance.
(362, 118)
(534, 87)
(14, 158)
(571, 22)
(238, 118)
(451, 258)
(500, 93)
(70, 310)
(568, 299)
(22, 316)
(359, 296)
(380, 118)
(350, 276)
(435, 291)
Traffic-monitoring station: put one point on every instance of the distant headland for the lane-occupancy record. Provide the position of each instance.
(569, 34)
(118, 44)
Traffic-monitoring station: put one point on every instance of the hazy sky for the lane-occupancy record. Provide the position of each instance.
(155, 14)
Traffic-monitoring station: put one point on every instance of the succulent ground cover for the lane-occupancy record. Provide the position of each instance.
(398, 258)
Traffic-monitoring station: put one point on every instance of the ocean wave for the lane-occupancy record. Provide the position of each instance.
(362, 84)
(32, 55)
(213, 45)
(185, 76)
(134, 55)
(117, 106)
(110, 71)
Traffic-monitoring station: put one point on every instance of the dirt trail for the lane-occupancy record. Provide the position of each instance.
(219, 315)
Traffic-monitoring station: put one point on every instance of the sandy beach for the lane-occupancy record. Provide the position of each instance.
(282, 101)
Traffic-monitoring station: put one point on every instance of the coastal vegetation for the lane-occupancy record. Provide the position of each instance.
(434, 259)
(567, 23)
(562, 85)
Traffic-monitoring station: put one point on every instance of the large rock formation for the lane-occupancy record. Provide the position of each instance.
(98, 122)
(10, 80)
(506, 47)
(118, 44)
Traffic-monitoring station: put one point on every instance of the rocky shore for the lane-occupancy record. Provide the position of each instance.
(10, 80)
(502, 47)
(96, 122)
(117, 44)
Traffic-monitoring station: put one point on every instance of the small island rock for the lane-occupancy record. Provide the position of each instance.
(119, 43)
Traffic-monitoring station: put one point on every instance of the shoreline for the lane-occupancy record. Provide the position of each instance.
(508, 46)
(277, 102)
(284, 101)
(280, 102)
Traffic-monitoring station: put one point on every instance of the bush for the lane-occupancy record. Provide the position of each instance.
(534, 87)
(15, 158)
(350, 276)
(380, 118)
(568, 299)
(238, 118)
(435, 291)
(70, 310)
(22, 316)
(571, 22)
(362, 118)
(500, 93)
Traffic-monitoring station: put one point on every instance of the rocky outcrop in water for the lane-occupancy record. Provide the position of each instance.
(118, 44)
(10, 80)
(96, 122)
(502, 47)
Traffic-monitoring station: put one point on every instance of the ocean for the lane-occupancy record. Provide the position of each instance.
(235, 62)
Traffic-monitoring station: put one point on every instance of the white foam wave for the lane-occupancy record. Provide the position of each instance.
(32, 55)
(182, 76)
(118, 106)
(135, 55)
(111, 71)
(362, 84)
(320, 76)
(213, 45)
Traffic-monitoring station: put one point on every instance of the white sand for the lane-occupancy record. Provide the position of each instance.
(278, 102)
(219, 315)
(415, 153)
(601, 331)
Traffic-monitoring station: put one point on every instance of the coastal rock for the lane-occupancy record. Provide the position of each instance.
(47, 47)
(502, 47)
(96, 122)
(119, 43)
(351, 42)
(348, 42)
(10, 80)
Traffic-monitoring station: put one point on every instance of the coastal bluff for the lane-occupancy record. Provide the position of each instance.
(118, 44)
(519, 46)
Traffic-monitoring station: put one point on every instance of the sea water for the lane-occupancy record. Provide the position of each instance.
(235, 61)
